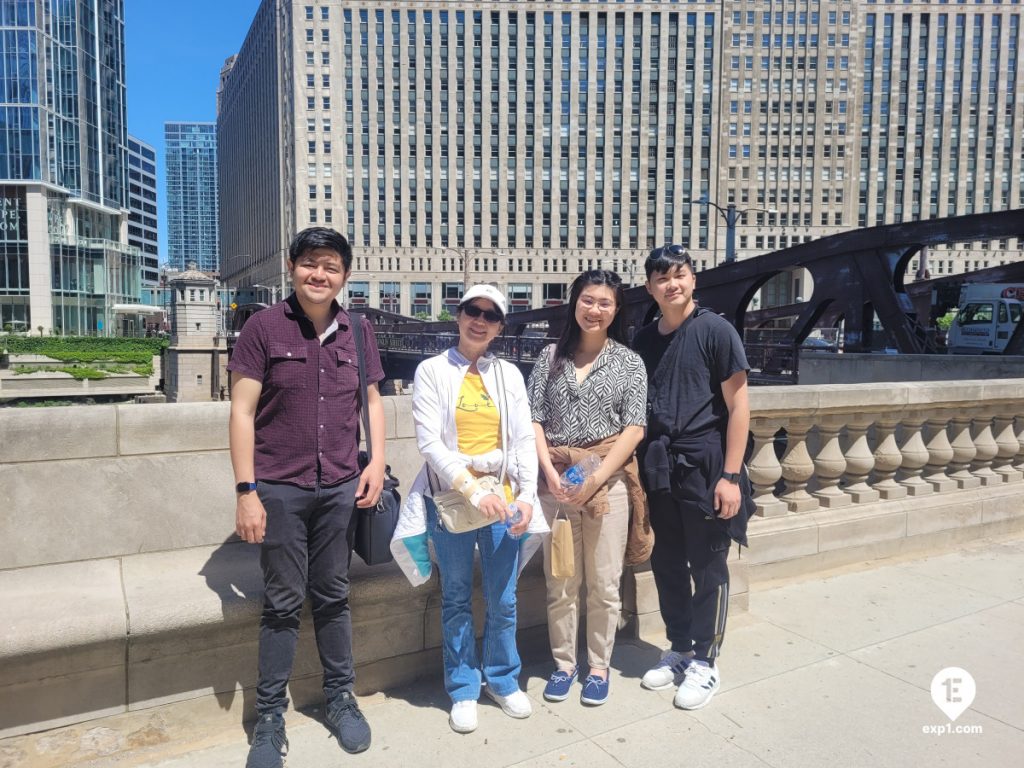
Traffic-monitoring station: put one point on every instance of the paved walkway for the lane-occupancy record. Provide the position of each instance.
(831, 671)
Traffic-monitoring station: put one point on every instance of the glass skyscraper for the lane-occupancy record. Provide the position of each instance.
(65, 265)
(190, 153)
(142, 220)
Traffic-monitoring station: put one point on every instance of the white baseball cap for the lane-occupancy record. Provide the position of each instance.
(486, 291)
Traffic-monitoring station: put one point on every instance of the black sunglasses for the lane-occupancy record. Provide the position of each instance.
(674, 249)
(668, 251)
(472, 310)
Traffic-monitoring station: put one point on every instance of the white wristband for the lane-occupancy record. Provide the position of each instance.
(464, 483)
(478, 496)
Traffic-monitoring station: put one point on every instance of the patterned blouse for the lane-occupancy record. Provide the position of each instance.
(611, 397)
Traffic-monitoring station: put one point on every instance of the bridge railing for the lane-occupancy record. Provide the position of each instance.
(839, 445)
(517, 349)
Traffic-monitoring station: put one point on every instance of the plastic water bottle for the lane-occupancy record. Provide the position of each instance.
(515, 517)
(578, 473)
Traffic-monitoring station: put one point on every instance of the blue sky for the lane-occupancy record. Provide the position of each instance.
(174, 52)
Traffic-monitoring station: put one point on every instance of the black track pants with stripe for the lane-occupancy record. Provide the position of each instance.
(689, 559)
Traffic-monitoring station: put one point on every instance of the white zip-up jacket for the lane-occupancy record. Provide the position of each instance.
(435, 394)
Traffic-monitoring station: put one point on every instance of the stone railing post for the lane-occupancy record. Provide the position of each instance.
(915, 456)
(887, 459)
(963, 452)
(985, 447)
(940, 452)
(859, 459)
(1007, 445)
(797, 467)
(830, 464)
(764, 468)
(1019, 429)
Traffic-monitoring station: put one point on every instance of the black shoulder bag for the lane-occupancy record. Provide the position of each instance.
(374, 525)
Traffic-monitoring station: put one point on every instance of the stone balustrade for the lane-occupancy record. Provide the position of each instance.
(844, 445)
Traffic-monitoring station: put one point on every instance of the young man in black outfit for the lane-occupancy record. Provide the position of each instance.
(692, 461)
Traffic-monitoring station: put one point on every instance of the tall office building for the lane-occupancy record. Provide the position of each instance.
(540, 139)
(65, 262)
(142, 221)
(190, 153)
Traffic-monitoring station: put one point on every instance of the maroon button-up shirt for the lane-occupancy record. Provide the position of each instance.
(308, 411)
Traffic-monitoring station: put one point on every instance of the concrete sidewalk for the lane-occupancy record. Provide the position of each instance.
(831, 671)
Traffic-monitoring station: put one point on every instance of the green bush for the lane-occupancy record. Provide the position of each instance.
(88, 349)
(78, 372)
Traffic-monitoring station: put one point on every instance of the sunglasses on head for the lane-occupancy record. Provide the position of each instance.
(472, 310)
(674, 250)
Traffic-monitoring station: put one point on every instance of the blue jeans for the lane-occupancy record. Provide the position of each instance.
(499, 562)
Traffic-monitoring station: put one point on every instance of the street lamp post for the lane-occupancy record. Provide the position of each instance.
(732, 217)
(271, 291)
(463, 253)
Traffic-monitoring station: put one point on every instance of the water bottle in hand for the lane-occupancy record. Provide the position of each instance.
(515, 517)
(578, 473)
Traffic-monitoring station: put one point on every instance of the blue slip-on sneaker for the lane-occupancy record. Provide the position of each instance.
(595, 691)
(559, 684)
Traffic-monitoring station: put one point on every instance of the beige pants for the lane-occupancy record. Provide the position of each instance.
(599, 544)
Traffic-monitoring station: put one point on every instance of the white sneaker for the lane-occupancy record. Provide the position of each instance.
(668, 672)
(699, 684)
(463, 716)
(516, 704)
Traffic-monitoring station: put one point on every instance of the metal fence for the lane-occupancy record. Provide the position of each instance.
(517, 349)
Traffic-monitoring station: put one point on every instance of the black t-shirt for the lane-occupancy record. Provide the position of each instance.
(684, 380)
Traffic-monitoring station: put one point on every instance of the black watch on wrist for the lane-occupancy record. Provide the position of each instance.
(732, 477)
(245, 487)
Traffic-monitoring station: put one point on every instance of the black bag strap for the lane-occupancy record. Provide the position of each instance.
(357, 336)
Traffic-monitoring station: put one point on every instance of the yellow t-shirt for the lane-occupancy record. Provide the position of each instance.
(477, 421)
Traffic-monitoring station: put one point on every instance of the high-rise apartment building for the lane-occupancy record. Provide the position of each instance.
(142, 221)
(540, 139)
(190, 154)
(65, 262)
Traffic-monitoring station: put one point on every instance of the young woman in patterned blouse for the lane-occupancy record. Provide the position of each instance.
(588, 395)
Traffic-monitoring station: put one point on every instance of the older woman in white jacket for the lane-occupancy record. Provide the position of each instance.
(473, 418)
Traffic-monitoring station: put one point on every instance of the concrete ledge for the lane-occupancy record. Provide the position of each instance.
(29, 434)
(801, 544)
(62, 645)
(172, 427)
(859, 368)
(108, 508)
(95, 638)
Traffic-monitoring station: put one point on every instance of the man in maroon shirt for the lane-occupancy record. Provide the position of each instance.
(294, 432)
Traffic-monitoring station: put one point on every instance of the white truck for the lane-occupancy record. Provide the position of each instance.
(986, 317)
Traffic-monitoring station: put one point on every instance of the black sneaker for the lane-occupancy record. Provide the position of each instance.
(269, 743)
(347, 723)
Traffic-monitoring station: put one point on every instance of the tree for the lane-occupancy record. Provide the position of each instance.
(40, 329)
(445, 316)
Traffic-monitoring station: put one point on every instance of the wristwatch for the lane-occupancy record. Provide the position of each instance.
(245, 487)
(732, 477)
